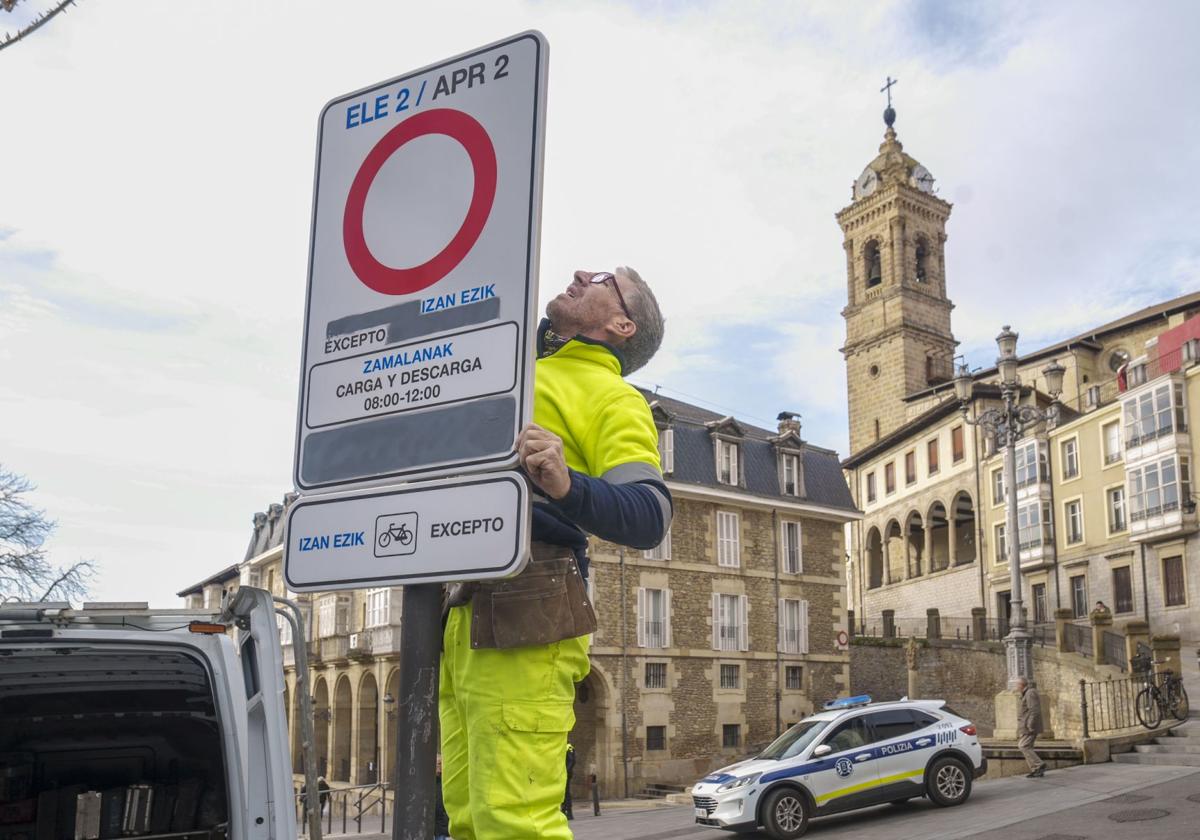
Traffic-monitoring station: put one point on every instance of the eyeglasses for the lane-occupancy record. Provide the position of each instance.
(602, 278)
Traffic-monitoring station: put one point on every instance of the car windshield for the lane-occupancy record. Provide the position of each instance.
(794, 741)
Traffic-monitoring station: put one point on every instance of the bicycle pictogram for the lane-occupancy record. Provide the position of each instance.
(401, 533)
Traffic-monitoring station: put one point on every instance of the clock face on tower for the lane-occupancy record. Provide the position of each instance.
(866, 184)
(922, 179)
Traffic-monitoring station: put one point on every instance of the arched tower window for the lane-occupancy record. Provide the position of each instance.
(873, 264)
(922, 252)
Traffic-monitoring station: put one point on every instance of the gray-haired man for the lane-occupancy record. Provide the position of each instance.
(1029, 724)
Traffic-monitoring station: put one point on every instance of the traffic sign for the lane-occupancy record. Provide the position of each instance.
(417, 357)
(468, 528)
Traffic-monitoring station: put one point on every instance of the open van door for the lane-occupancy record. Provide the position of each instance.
(266, 757)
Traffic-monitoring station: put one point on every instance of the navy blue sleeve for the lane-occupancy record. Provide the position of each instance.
(627, 514)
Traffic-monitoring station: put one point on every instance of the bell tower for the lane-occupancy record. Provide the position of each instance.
(898, 338)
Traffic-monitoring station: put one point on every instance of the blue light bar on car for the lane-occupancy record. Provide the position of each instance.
(848, 702)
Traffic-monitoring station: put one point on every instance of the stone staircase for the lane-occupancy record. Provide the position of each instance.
(655, 790)
(1180, 746)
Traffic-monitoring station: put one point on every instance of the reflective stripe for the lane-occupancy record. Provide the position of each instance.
(886, 780)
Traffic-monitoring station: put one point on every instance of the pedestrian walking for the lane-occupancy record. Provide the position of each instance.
(1029, 725)
(441, 821)
(568, 805)
(513, 650)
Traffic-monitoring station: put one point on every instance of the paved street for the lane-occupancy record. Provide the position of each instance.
(1075, 803)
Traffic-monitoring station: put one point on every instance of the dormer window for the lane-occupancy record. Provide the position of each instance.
(727, 462)
(666, 450)
(790, 468)
(727, 434)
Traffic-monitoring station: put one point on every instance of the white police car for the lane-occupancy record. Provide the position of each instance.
(853, 754)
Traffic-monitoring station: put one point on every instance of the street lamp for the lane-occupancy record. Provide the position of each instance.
(1007, 424)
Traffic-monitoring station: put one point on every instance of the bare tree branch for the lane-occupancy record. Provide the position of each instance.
(26, 573)
(36, 23)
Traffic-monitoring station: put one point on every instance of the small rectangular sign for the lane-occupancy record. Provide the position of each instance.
(451, 368)
(441, 530)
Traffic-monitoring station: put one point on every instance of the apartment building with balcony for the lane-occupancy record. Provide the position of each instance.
(1106, 497)
(708, 645)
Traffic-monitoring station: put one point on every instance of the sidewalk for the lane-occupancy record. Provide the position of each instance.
(1075, 803)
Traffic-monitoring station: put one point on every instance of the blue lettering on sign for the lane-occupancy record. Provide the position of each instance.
(361, 113)
(323, 541)
(404, 358)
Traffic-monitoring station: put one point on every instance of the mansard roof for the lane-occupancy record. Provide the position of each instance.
(225, 575)
(695, 460)
(268, 528)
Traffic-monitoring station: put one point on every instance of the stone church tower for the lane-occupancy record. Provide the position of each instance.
(898, 338)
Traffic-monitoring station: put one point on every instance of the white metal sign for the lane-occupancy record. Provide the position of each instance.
(422, 287)
(467, 528)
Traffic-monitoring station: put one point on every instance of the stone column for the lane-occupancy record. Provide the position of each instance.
(979, 624)
(952, 538)
(1101, 621)
(1167, 647)
(1062, 617)
(933, 624)
(911, 653)
(887, 560)
(928, 548)
(1136, 632)
(889, 624)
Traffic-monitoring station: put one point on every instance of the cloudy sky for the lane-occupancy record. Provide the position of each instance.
(156, 178)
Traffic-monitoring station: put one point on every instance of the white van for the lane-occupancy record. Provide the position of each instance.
(119, 721)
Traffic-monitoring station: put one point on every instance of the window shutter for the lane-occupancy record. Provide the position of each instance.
(804, 627)
(666, 618)
(666, 545)
(734, 473)
(668, 451)
(716, 621)
(799, 549)
(782, 625)
(743, 629)
(641, 617)
(343, 615)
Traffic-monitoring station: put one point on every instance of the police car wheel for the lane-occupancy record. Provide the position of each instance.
(785, 814)
(949, 782)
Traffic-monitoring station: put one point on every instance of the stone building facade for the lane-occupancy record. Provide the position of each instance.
(707, 645)
(927, 480)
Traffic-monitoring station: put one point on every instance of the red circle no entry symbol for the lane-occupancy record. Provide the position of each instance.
(398, 281)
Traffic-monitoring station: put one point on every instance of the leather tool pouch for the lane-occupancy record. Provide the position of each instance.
(546, 603)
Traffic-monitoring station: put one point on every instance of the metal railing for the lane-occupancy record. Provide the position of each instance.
(1108, 705)
(960, 629)
(1114, 650)
(350, 807)
(1079, 639)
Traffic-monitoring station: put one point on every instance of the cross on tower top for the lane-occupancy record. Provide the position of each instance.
(887, 88)
(889, 114)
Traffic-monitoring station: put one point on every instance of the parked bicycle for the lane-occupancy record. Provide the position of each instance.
(1163, 695)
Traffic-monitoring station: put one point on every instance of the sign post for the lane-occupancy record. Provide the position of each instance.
(417, 359)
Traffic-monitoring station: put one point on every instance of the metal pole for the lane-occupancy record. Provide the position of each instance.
(1017, 642)
(307, 736)
(416, 713)
(1083, 705)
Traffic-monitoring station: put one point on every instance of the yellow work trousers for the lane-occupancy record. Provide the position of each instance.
(505, 715)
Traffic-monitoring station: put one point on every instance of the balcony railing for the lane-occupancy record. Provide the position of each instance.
(335, 647)
(1168, 428)
(729, 636)
(654, 633)
(1079, 639)
(1156, 510)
